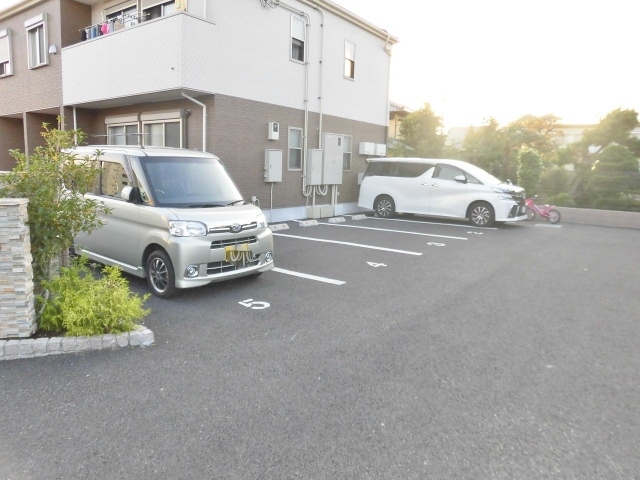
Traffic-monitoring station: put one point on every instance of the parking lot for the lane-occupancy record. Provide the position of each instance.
(405, 348)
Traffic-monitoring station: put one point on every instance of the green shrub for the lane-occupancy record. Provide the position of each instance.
(80, 304)
(562, 200)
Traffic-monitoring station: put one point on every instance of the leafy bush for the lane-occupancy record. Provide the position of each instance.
(81, 304)
(562, 200)
(554, 181)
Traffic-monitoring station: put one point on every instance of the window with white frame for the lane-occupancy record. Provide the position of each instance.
(297, 39)
(162, 134)
(162, 129)
(123, 130)
(349, 60)
(295, 148)
(346, 152)
(123, 134)
(5, 53)
(37, 40)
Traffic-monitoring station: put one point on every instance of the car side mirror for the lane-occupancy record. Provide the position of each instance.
(130, 194)
(460, 179)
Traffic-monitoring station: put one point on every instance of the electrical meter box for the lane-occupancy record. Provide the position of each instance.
(272, 165)
(314, 166)
(332, 159)
(274, 131)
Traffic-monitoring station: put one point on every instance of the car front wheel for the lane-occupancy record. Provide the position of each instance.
(384, 207)
(481, 214)
(160, 275)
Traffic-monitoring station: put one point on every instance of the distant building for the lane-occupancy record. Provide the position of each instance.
(302, 84)
(397, 113)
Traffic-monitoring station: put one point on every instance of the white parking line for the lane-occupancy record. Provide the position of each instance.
(393, 250)
(461, 225)
(307, 276)
(396, 231)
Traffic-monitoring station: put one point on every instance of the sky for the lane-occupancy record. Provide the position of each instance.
(475, 59)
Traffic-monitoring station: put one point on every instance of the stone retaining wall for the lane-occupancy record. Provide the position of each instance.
(17, 310)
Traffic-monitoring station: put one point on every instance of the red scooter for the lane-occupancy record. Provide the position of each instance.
(547, 211)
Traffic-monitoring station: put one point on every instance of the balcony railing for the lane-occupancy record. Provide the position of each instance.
(158, 58)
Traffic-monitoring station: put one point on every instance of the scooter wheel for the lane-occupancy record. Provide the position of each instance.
(554, 216)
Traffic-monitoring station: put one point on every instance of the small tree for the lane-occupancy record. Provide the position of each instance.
(56, 214)
(421, 136)
(530, 168)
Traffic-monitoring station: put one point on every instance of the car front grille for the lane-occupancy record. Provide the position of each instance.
(230, 242)
(519, 197)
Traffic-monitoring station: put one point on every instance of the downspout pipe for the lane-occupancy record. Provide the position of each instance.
(204, 119)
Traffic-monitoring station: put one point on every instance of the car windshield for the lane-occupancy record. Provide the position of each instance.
(195, 182)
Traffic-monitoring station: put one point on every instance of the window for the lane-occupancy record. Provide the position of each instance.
(163, 128)
(297, 39)
(123, 134)
(114, 177)
(412, 170)
(123, 16)
(37, 41)
(349, 60)
(160, 10)
(346, 152)
(5, 53)
(295, 149)
(447, 172)
(162, 134)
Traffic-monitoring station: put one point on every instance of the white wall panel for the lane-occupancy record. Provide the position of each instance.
(240, 49)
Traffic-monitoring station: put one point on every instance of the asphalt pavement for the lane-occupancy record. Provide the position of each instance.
(378, 349)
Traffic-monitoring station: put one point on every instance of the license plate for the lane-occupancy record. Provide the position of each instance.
(238, 254)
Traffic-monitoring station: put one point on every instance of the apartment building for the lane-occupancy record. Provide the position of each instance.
(290, 95)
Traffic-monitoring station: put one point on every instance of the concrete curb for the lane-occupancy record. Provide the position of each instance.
(601, 218)
(13, 349)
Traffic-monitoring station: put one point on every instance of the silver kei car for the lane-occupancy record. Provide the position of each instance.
(176, 218)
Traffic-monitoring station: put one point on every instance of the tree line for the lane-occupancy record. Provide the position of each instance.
(601, 170)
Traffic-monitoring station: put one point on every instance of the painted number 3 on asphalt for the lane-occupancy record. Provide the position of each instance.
(250, 303)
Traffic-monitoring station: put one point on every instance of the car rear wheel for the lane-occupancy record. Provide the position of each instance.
(160, 275)
(481, 214)
(384, 207)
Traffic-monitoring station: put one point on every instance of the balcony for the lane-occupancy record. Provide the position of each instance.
(155, 60)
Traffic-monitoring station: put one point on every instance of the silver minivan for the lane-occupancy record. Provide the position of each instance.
(176, 218)
(441, 188)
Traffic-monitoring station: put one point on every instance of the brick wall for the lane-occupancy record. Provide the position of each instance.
(17, 310)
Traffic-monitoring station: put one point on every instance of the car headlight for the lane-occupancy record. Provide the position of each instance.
(187, 229)
(261, 220)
